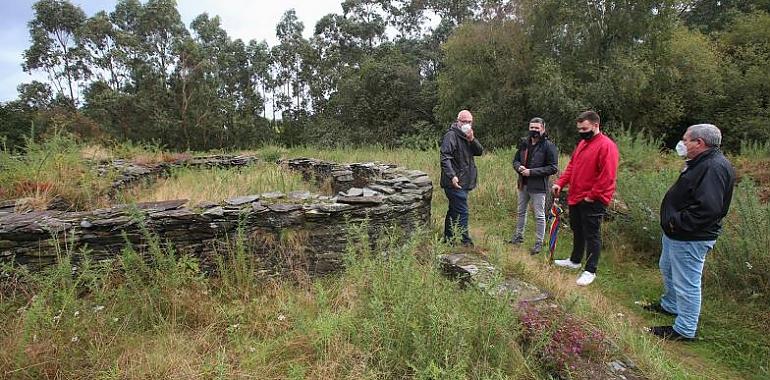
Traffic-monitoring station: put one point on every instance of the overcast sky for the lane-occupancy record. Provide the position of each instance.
(244, 19)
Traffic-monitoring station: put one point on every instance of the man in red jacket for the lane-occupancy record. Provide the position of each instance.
(590, 175)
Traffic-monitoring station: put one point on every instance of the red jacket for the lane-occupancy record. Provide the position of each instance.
(592, 171)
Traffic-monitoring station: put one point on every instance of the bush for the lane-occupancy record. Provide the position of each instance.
(741, 260)
(642, 192)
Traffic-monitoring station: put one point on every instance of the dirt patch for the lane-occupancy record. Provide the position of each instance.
(758, 171)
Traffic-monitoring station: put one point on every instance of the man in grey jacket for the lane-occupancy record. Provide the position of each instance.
(458, 174)
(535, 161)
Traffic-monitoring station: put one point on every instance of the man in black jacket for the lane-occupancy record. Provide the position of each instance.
(458, 173)
(535, 160)
(691, 218)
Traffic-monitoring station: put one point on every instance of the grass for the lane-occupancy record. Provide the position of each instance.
(49, 170)
(217, 184)
(164, 320)
(388, 318)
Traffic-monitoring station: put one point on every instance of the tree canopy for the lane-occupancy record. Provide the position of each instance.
(395, 72)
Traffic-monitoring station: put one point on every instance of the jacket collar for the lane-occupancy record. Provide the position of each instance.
(701, 157)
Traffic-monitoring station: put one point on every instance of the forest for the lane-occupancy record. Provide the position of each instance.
(395, 73)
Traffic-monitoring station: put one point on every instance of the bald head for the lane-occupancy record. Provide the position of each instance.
(464, 117)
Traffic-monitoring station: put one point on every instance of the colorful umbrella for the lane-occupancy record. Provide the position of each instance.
(555, 221)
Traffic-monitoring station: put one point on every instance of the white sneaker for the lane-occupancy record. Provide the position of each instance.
(586, 278)
(567, 263)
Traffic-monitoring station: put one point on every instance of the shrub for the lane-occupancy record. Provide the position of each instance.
(741, 260)
(642, 192)
(565, 345)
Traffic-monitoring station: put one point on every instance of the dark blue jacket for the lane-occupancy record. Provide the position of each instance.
(695, 204)
(457, 158)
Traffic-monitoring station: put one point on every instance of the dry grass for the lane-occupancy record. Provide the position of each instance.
(197, 185)
(96, 153)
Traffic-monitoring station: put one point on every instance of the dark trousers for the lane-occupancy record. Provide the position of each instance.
(457, 215)
(585, 220)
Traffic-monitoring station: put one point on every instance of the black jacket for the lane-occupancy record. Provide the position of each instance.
(542, 160)
(457, 158)
(695, 204)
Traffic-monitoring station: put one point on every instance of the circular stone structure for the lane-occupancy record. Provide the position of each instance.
(285, 232)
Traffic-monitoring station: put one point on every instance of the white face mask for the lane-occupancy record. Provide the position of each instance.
(465, 128)
(681, 149)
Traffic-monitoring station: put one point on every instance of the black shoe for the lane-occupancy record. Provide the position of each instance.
(668, 333)
(536, 248)
(656, 308)
(468, 244)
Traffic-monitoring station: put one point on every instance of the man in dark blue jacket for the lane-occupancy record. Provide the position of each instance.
(691, 218)
(535, 161)
(458, 174)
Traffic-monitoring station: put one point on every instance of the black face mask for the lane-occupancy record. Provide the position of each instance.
(586, 135)
(534, 133)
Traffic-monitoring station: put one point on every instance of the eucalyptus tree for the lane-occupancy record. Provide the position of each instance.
(57, 47)
(99, 37)
(288, 62)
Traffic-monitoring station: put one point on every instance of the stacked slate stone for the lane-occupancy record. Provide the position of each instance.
(319, 224)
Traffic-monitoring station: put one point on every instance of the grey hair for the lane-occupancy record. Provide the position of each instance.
(709, 133)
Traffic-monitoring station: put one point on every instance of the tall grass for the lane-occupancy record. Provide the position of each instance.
(153, 315)
(216, 184)
(49, 169)
(755, 149)
(639, 227)
(741, 259)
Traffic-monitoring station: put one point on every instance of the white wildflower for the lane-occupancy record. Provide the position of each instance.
(74, 339)
(115, 319)
(76, 313)
(281, 317)
(98, 308)
(749, 266)
(252, 349)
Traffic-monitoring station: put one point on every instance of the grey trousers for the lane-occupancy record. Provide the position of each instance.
(538, 205)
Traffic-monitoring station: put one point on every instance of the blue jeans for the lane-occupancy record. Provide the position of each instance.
(681, 264)
(457, 215)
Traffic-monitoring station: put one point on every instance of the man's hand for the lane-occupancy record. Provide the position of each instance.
(525, 172)
(456, 182)
(469, 135)
(556, 190)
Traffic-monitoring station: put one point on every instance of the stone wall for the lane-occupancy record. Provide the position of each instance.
(291, 231)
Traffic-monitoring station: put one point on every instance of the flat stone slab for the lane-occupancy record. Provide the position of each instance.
(242, 200)
(376, 199)
(476, 270)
